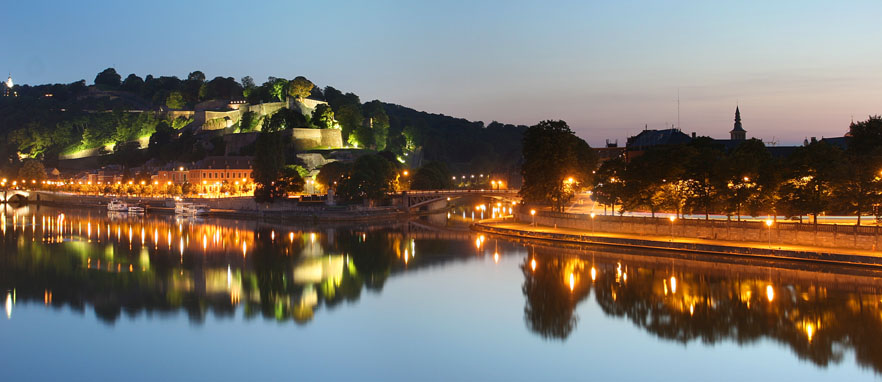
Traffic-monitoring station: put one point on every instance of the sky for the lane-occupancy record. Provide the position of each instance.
(797, 69)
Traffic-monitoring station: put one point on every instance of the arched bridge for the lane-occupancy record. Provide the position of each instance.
(421, 199)
(15, 196)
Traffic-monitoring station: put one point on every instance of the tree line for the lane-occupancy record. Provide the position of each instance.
(702, 177)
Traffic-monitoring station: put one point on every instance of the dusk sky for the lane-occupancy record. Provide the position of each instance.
(797, 68)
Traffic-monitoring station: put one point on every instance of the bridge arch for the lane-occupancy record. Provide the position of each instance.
(15, 196)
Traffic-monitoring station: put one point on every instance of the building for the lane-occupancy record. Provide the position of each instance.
(611, 151)
(210, 170)
(738, 133)
(648, 139)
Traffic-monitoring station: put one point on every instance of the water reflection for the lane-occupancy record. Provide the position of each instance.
(820, 316)
(118, 265)
(124, 264)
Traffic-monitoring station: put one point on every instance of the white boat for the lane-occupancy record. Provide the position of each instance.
(184, 208)
(117, 205)
(201, 209)
(136, 210)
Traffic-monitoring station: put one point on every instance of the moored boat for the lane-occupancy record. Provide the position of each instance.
(117, 205)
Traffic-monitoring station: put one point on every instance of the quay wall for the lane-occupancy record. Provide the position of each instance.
(821, 235)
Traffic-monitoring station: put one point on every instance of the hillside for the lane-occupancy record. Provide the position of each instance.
(111, 115)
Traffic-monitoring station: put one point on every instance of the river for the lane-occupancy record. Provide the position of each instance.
(96, 296)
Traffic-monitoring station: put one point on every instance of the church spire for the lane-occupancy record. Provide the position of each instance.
(738, 133)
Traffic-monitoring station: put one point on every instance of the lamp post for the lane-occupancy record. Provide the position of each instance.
(672, 218)
(769, 224)
(592, 222)
(533, 217)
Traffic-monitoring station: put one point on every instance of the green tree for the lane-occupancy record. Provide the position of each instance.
(248, 88)
(248, 122)
(704, 174)
(811, 175)
(323, 116)
(350, 118)
(431, 176)
(751, 182)
(269, 164)
(553, 155)
(108, 79)
(300, 88)
(372, 176)
(331, 174)
(132, 83)
(175, 100)
(608, 183)
(859, 185)
(277, 87)
(645, 176)
(32, 171)
(197, 76)
(379, 124)
(291, 179)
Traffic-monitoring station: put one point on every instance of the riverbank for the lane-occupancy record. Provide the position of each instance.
(752, 249)
(238, 208)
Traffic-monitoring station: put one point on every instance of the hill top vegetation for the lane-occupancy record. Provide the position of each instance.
(45, 121)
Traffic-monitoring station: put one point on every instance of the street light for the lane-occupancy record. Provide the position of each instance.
(672, 218)
(592, 222)
(769, 224)
(533, 216)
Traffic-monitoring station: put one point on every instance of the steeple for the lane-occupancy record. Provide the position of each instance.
(738, 133)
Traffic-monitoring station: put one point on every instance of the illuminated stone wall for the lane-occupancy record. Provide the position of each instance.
(306, 139)
(824, 235)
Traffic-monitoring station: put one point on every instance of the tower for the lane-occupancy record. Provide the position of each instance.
(738, 133)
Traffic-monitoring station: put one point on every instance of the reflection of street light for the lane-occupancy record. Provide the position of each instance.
(769, 224)
(533, 216)
(672, 218)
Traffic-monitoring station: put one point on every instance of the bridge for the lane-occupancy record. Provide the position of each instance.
(15, 196)
(434, 199)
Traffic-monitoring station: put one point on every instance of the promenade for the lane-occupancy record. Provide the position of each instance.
(758, 249)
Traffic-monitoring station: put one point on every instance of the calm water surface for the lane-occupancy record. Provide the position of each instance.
(95, 296)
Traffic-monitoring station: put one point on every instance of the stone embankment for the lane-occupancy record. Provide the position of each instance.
(779, 233)
(646, 233)
(240, 207)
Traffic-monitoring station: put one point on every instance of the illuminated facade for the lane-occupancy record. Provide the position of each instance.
(210, 170)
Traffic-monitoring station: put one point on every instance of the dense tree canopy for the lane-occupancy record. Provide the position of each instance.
(370, 178)
(557, 164)
(431, 176)
(300, 87)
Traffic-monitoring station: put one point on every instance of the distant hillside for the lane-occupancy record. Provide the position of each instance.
(463, 144)
(47, 120)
